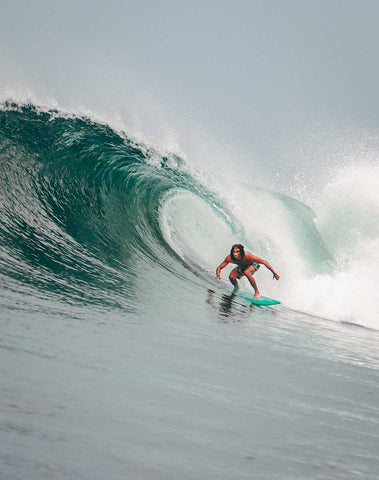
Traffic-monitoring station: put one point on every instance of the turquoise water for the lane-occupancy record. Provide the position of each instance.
(122, 356)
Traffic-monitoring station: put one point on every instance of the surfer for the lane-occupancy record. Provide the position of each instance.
(247, 264)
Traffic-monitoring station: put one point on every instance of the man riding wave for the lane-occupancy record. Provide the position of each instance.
(247, 264)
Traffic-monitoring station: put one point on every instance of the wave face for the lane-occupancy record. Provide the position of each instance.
(86, 210)
(79, 202)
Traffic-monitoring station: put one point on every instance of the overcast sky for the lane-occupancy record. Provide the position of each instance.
(255, 76)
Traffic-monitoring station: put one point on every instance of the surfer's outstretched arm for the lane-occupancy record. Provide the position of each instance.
(267, 265)
(221, 266)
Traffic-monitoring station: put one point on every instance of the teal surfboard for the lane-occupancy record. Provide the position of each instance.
(258, 301)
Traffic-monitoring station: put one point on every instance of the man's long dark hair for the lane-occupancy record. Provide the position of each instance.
(241, 249)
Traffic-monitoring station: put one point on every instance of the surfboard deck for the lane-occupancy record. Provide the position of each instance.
(257, 301)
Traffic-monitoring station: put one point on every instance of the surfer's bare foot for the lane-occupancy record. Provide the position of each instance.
(257, 295)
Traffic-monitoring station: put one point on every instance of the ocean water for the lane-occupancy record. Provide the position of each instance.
(123, 357)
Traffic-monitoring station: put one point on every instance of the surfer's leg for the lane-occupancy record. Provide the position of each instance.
(249, 272)
(234, 274)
